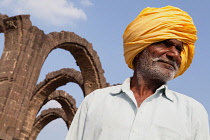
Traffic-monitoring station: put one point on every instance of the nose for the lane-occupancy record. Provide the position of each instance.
(174, 55)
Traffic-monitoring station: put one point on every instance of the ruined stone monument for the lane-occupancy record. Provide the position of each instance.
(25, 50)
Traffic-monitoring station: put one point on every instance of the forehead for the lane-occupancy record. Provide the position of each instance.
(174, 41)
(167, 42)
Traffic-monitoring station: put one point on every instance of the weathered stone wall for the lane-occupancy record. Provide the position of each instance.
(25, 50)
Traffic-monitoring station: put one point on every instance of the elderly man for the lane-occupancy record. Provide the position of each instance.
(158, 46)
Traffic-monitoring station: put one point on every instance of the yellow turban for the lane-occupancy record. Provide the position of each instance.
(158, 24)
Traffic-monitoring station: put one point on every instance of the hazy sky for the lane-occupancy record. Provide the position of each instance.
(102, 23)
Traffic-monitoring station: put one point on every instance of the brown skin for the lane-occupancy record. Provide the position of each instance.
(154, 66)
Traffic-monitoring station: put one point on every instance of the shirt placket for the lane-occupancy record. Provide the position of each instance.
(142, 120)
(138, 127)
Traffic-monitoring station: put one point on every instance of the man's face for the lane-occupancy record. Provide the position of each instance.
(160, 60)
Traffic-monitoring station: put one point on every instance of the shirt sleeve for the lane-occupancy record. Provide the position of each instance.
(78, 124)
(201, 124)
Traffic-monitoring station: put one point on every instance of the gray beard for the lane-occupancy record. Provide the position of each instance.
(147, 67)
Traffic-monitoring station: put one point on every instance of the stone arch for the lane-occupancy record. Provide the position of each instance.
(67, 102)
(66, 113)
(44, 89)
(56, 79)
(86, 58)
(45, 118)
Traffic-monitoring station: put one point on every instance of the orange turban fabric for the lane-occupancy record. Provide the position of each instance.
(158, 24)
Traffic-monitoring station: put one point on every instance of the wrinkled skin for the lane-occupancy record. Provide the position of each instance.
(154, 66)
(160, 60)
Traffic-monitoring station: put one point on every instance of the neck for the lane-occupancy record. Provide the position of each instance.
(143, 87)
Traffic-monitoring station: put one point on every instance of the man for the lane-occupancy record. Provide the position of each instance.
(158, 46)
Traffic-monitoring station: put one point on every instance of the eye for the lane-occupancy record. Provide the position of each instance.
(178, 45)
(179, 48)
(167, 42)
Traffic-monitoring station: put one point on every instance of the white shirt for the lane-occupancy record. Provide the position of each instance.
(112, 114)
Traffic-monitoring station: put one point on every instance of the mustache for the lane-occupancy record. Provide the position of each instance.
(170, 62)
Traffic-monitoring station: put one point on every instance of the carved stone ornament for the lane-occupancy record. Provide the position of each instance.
(10, 23)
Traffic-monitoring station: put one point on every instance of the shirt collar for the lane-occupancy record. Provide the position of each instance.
(165, 92)
(125, 87)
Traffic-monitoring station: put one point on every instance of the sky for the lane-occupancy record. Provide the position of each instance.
(102, 23)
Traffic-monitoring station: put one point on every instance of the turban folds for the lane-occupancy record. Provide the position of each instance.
(158, 24)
